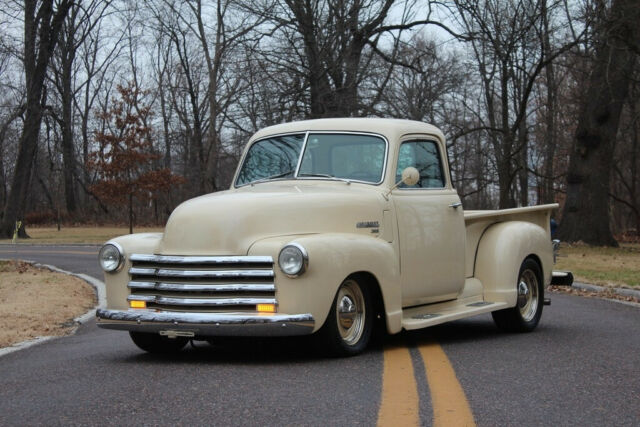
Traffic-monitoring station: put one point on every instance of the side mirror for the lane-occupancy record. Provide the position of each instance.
(410, 176)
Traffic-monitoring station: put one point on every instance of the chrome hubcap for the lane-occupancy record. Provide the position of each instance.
(350, 312)
(346, 312)
(528, 295)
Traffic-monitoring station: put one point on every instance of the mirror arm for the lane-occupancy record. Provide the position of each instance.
(386, 195)
(410, 176)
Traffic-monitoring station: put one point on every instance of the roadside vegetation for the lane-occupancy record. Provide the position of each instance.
(133, 107)
(606, 266)
(84, 234)
(37, 302)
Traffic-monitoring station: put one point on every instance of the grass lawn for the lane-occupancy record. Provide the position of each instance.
(95, 235)
(602, 265)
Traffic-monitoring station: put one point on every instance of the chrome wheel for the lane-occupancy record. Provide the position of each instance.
(350, 312)
(528, 295)
(525, 314)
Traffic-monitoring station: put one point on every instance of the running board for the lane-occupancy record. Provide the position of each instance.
(434, 314)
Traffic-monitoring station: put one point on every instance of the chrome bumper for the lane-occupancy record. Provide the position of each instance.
(206, 324)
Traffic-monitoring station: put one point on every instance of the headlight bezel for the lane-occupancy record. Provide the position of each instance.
(120, 251)
(304, 260)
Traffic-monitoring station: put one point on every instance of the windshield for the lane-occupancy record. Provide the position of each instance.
(271, 158)
(353, 157)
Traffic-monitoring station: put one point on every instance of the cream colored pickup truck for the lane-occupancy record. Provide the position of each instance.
(329, 227)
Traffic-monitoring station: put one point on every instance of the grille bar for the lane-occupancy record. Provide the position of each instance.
(218, 302)
(208, 287)
(172, 259)
(204, 274)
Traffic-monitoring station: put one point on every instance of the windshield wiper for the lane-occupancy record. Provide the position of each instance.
(268, 178)
(324, 175)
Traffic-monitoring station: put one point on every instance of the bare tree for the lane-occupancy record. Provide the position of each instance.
(550, 111)
(626, 164)
(506, 38)
(97, 56)
(42, 24)
(421, 87)
(586, 213)
(333, 44)
(82, 20)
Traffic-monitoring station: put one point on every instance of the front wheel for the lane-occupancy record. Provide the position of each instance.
(348, 327)
(524, 317)
(157, 344)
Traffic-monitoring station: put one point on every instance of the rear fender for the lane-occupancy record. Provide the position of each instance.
(501, 251)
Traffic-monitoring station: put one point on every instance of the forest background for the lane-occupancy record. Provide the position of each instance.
(116, 111)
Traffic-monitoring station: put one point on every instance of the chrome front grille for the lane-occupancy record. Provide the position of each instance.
(202, 284)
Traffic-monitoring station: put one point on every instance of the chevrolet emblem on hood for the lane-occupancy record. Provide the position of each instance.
(368, 224)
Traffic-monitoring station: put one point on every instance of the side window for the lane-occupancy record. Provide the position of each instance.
(424, 156)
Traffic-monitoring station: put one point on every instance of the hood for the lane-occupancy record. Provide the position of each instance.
(229, 222)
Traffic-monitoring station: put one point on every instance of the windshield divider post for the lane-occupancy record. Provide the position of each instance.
(304, 147)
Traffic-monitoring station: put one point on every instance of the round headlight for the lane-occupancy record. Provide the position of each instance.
(293, 260)
(110, 257)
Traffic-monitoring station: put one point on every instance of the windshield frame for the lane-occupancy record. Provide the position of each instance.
(302, 153)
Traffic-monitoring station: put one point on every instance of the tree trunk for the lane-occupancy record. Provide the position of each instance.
(548, 194)
(68, 155)
(214, 64)
(130, 213)
(3, 178)
(504, 165)
(41, 28)
(586, 213)
(16, 202)
(523, 173)
(3, 132)
(505, 161)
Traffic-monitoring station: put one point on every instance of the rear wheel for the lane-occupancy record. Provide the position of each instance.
(524, 317)
(348, 327)
(158, 344)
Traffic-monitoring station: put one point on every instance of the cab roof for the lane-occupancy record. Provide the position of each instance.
(392, 129)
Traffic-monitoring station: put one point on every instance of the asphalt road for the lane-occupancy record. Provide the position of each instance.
(580, 367)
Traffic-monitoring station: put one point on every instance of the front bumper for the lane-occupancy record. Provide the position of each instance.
(206, 324)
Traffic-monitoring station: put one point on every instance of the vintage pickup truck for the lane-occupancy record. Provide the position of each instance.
(330, 226)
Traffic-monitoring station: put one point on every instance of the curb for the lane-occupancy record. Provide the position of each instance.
(99, 290)
(596, 288)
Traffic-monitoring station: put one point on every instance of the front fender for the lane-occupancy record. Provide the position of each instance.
(501, 251)
(116, 282)
(332, 258)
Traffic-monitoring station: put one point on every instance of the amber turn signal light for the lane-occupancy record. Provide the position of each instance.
(138, 304)
(266, 308)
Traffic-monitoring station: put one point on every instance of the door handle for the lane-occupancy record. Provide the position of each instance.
(455, 205)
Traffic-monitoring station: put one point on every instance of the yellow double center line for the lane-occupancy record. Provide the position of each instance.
(400, 401)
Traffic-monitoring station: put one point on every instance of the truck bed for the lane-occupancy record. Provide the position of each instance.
(478, 221)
